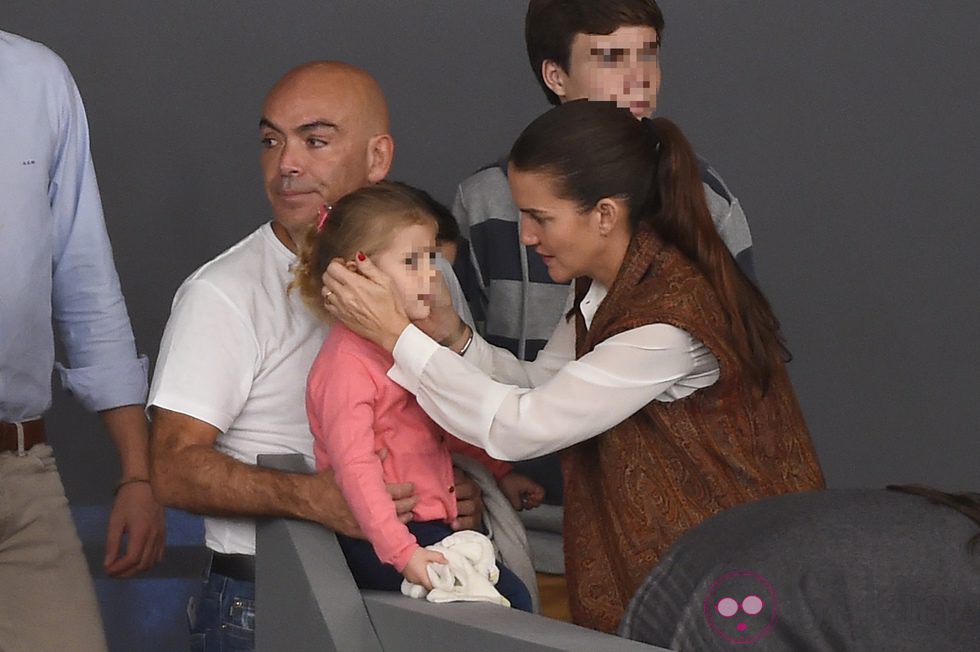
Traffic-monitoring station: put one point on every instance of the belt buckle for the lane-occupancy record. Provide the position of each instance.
(20, 439)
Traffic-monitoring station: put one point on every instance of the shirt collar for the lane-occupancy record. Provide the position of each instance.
(591, 302)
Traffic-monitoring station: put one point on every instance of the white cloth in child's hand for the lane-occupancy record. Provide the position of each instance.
(469, 576)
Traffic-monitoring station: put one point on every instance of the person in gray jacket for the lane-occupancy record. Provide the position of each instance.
(840, 569)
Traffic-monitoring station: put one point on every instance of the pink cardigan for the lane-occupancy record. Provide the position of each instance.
(355, 410)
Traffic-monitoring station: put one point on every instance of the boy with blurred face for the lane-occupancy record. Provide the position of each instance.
(600, 50)
(622, 66)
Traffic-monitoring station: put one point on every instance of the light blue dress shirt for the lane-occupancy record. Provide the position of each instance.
(56, 267)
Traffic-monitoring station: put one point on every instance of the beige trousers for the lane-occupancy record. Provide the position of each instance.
(47, 599)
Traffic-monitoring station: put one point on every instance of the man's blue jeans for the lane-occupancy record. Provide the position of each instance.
(222, 617)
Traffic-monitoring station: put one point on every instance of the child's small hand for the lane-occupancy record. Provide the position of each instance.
(415, 570)
(521, 491)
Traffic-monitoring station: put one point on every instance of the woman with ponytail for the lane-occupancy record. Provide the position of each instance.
(665, 387)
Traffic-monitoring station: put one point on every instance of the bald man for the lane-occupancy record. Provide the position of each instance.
(231, 375)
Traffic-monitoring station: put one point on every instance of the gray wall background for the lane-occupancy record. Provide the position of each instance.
(848, 131)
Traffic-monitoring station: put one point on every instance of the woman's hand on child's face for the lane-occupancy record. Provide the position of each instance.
(522, 492)
(443, 320)
(415, 571)
(364, 301)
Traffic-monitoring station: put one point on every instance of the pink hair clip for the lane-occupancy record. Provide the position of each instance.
(322, 216)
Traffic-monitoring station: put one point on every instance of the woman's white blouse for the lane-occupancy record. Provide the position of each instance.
(518, 410)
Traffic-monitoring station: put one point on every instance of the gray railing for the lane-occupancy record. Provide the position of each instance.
(307, 600)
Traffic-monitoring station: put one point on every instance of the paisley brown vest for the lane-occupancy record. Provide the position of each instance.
(633, 490)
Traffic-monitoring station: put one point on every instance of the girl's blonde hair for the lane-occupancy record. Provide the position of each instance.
(366, 220)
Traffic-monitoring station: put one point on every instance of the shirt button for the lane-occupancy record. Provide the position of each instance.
(452, 488)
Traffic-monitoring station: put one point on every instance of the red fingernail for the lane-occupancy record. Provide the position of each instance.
(361, 257)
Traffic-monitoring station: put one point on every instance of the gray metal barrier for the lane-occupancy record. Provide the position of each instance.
(306, 600)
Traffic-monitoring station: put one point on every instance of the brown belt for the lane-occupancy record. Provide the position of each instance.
(33, 434)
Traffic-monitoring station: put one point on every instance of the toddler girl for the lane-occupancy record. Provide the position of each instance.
(356, 411)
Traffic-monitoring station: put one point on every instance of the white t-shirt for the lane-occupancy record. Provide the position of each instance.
(236, 353)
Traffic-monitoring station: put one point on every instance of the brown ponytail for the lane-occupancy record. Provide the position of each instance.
(679, 214)
(595, 150)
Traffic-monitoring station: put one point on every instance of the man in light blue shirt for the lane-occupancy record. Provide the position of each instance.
(56, 268)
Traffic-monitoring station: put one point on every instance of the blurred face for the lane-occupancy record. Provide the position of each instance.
(410, 262)
(314, 149)
(566, 237)
(621, 67)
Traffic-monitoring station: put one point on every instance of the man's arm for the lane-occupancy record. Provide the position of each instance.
(135, 512)
(188, 472)
(469, 502)
(104, 372)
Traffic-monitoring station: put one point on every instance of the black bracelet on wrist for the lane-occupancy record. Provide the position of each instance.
(449, 341)
(125, 481)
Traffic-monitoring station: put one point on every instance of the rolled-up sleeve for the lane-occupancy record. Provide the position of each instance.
(103, 369)
(107, 386)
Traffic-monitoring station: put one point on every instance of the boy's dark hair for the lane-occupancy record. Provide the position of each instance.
(551, 25)
(448, 227)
